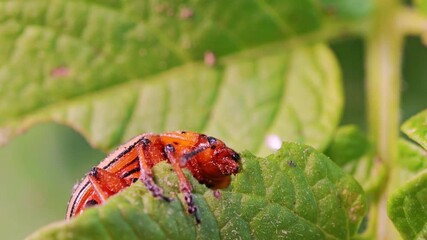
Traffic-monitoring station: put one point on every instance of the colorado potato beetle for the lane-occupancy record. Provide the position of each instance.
(209, 160)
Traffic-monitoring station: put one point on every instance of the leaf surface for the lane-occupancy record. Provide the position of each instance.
(416, 128)
(352, 151)
(296, 193)
(239, 72)
(348, 144)
(407, 206)
(292, 95)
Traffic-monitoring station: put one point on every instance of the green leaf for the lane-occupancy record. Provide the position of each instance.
(411, 157)
(412, 160)
(295, 94)
(408, 204)
(296, 193)
(348, 9)
(416, 128)
(352, 151)
(143, 70)
(114, 69)
(349, 144)
(407, 208)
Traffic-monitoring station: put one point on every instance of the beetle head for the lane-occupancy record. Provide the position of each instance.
(216, 164)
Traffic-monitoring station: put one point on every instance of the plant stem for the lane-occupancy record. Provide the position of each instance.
(384, 47)
(412, 22)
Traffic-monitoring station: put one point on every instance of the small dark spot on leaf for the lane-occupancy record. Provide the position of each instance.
(292, 163)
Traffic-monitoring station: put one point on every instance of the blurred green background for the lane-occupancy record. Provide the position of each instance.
(40, 167)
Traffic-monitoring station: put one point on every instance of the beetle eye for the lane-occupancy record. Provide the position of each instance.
(235, 156)
(211, 140)
(169, 148)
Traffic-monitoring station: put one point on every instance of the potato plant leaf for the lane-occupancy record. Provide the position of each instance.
(229, 70)
(348, 144)
(407, 206)
(239, 70)
(352, 151)
(295, 193)
(295, 95)
(416, 128)
(412, 157)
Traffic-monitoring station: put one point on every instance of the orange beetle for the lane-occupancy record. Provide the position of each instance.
(210, 161)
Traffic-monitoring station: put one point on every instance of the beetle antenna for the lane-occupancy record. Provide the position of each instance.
(185, 157)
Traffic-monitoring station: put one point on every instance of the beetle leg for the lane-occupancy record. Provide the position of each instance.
(212, 143)
(146, 173)
(184, 184)
(105, 183)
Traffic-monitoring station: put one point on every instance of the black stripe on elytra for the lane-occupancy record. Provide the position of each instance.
(131, 162)
(124, 152)
(126, 174)
(77, 197)
(108, 165)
